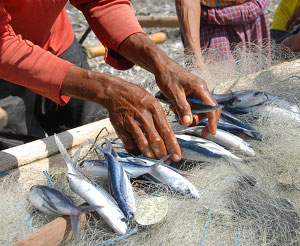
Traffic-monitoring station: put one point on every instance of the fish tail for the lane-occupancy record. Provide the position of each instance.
(71, 165)
(75, 222)
(253, 133)
(62, 149)
(88, 208)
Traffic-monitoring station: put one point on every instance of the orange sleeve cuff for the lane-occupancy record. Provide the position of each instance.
(112, 21)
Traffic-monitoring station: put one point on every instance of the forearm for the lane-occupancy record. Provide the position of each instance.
(141, 50)
(89, 85)
(189, 14)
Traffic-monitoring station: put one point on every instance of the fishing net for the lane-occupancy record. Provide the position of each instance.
(251, 203)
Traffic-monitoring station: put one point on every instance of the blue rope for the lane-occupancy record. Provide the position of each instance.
(49, 179)
(238, 236)
(206, 224)
(27, 220)
(119, 238)
(173, 121)
(2, 174)
(294, 181)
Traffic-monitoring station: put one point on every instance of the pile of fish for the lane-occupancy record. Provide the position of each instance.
(117, 205)
(230, 127)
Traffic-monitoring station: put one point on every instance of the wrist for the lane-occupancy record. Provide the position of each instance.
(146, 53)
(88, 85)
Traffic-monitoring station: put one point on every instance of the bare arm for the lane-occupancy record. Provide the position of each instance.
(189, 17)
(136, 115)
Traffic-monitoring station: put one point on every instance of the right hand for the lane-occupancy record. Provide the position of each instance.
(294, 20)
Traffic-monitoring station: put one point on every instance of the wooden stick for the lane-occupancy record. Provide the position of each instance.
(3, 118)
(99, 50)
(54, 233)
(37, 150)
(152, 21)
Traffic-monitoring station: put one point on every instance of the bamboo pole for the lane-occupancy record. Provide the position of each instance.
(99, 50)
(37, 150)
(152, 21)
(55, 233)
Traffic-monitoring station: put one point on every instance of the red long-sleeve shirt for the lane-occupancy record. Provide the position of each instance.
(34, 32)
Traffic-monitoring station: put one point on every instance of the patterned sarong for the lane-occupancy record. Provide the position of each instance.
(223, 28)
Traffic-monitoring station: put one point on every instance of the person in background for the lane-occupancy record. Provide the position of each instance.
(215, 27)
(285, 27)
(39, 55)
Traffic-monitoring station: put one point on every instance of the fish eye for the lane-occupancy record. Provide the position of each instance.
(257, 93)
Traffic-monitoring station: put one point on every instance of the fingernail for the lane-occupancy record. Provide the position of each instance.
(176, 157)
(186, 119)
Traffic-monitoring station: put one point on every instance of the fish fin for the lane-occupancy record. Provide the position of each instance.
(114, 152)
(149, 178)
(77, 153)
(88, 208)
(108, 146)
(253, 134)
(75, 222)
(51, 209)
(71, 198)
(162, 160)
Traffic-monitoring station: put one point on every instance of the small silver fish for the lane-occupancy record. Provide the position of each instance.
(119, 183)
(52, 202)
(166, 175)
(274, 112)
(200, 149)
(92, 194)
(98, 168)
(175, 181)
(223, 138)
(197, 105)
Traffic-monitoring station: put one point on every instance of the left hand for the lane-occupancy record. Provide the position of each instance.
(176, 83)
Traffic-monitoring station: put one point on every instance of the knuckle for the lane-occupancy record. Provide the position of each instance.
(166, 131)
(142, 143)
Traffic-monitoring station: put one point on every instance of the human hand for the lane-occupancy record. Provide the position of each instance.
(176, 83)
(138, 118)
(140, 121)
(294, 19)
